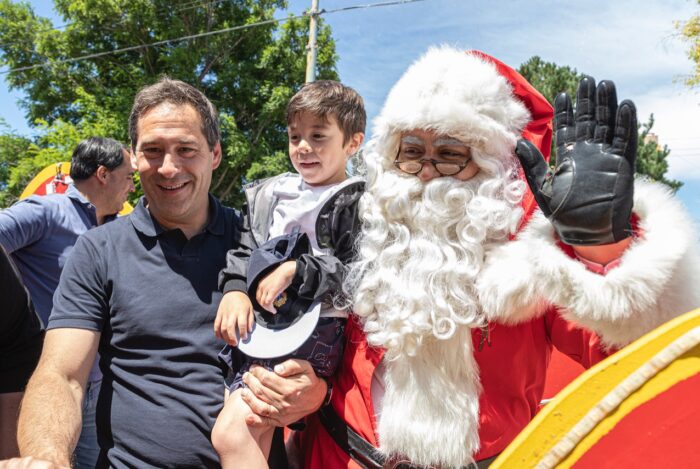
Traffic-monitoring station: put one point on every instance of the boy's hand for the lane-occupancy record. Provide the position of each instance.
(274, 284)
(235, 314)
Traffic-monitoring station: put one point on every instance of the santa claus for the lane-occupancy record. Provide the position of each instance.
(460, 292)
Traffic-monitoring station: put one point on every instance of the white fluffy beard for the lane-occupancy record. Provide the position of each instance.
(421, 248)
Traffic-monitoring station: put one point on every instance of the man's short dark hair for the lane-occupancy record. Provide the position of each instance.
(325, 98)
(179, 93)
(92, 153)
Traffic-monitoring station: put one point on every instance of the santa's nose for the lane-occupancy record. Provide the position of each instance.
(428, 172)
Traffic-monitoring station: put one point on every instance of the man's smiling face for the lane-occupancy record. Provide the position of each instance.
(175, 163)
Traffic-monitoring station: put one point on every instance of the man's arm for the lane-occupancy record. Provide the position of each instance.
(22, 224)
(50, 417)
(605, 253)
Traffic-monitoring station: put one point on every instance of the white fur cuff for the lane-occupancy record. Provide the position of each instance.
(656, 280)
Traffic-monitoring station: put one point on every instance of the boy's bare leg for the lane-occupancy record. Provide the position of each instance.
(238, 444)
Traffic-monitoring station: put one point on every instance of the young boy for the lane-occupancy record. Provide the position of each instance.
(326, 122)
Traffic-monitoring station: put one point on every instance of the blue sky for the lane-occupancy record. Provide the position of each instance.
(633, 43)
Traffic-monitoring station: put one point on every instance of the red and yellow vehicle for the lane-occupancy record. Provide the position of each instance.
(55, 179)
(637, 408)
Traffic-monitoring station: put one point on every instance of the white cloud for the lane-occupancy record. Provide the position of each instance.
(677, 124)
(631, 43)
(622, 40)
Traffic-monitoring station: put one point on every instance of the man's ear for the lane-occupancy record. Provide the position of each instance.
(355, 143)
(217, 155)
(101, 174)
(132, 157)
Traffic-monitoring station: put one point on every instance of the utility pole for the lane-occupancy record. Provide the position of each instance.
(311, 47)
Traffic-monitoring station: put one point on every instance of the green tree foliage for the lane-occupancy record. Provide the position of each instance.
(551, 79)
(690, 32)
(11, 146)
(651, 158)
(21, 158)
(249, 74)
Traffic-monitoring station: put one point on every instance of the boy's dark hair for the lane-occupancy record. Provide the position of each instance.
(325, 98)
(93, 152)
(179, 93)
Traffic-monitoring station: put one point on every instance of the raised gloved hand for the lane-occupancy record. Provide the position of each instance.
(588, 197)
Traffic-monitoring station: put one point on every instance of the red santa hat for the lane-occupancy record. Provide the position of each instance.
(469, 96)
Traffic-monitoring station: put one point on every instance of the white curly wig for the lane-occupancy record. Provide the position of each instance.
(423, 245)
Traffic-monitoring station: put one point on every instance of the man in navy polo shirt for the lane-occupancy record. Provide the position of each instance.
(144, 294)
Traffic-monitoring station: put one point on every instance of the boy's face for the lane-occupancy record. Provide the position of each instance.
(317, 151)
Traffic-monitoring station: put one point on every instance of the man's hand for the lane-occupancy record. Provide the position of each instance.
(29, 463)
(235, 313)
(274, 283)
(588, 197)
(284, 396)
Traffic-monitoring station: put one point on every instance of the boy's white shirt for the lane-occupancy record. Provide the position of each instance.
(298, 206)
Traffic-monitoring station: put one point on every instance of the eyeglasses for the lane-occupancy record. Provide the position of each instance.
(443, 168)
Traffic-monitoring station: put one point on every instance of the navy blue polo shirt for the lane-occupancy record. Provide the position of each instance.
(153, 295)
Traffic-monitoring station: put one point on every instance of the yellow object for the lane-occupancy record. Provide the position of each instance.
(597, 400)
(52, 172)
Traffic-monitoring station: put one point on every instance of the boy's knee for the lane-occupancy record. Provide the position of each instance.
(230, 427)
(231, 432)
(220, 437)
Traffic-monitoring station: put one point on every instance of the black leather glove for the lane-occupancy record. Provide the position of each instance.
(588, 197)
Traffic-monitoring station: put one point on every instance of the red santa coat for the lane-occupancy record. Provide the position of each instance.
(656, 281)
(512, 370)
(510, 397)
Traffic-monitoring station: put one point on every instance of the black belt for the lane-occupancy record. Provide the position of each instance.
(359, 449)
(362, 451)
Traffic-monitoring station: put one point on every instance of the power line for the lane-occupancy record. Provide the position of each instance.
(200, 35)
(196, 4)
(187, 6)
(680, 138)
(152, 44)
(370, 5)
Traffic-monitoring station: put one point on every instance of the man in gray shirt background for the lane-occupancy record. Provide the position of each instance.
(39, 233)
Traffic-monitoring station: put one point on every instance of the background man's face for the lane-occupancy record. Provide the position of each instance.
(120, 183)
(175, 164)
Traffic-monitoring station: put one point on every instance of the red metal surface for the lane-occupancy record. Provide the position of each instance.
(59, 187)
(661, 433)
(561, 371)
